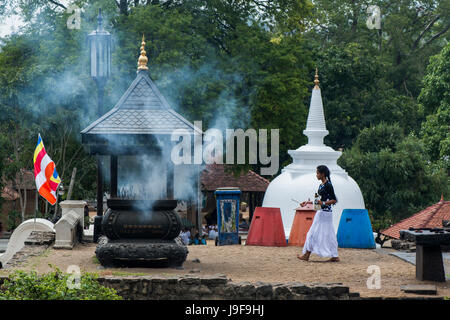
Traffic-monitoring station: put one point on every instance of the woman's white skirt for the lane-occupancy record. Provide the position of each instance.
(321, 237)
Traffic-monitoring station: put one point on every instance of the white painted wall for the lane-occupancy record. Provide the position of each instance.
(21, 233)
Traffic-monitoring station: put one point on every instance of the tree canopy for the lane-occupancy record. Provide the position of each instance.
(245, 64)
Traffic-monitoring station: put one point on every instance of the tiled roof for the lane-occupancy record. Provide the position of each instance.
(214, 176)
(430, 217)
(141, 110)
(140, 121)
(24, 179)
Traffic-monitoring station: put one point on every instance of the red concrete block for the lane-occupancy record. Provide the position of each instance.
(266, 228)
(303, 220)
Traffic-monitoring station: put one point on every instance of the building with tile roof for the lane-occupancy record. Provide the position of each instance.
(430, 217)
(251, 184)
(215, 176)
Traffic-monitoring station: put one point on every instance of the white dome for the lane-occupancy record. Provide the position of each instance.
(298, 180)
(300, 187)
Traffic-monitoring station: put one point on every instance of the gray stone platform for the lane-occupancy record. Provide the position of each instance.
(411, 258)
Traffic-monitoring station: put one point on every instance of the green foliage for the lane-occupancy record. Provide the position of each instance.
(394, 173)
(42, 215)
(435, 101)
(54, 286)
(379, 137)
(357, 95)
(435, 133)
(435, 93)
(410, 32)
(14, 219)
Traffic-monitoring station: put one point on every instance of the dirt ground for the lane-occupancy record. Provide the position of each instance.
(254, 263)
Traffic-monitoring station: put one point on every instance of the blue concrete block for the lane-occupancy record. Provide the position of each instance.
(355, 230)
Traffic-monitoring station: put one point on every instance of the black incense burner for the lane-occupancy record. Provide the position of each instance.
(141, 233)
(141, 219)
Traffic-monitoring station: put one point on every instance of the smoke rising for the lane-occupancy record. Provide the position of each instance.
(67, 91)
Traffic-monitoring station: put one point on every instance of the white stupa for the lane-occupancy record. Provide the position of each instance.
(298, 180)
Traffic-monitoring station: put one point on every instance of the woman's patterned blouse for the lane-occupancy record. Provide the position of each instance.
(326, 193)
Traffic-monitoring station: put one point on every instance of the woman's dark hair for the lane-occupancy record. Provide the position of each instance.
(324, 170)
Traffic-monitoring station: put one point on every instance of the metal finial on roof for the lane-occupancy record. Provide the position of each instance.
(442, 197)
(142, 61)
(316, 80)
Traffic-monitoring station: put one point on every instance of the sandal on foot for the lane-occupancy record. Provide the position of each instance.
(301, 258)
(334, 259)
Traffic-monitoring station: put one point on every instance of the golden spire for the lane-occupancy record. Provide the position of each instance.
(142, 61)
(316, 80)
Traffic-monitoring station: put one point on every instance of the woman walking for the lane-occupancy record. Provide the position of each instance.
(321, 237)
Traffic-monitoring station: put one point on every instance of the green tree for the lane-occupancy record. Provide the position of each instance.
(435, 93)
(394, 173)
(435, 101)
(410, 32)
(356, 94)
(371, 75)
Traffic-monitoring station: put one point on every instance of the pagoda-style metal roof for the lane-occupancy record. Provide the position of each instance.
(142, 110)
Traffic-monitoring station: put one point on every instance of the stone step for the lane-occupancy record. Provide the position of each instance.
(419, 289)
(88, 237)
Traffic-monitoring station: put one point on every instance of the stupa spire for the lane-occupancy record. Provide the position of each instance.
(316, 80)
(315, 125)
(142, 61)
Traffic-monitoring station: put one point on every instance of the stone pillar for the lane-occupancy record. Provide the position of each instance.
(170, 179)
(199, 199)
(99, 216)
(113, 176)
(429, 264)
(74, 205)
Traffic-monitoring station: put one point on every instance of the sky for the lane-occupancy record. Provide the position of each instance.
(12, 23)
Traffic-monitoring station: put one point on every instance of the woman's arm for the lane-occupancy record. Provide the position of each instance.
(329, 195)
(329, 202)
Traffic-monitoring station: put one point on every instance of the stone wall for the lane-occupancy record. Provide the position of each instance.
(20, 257)
(219, 287)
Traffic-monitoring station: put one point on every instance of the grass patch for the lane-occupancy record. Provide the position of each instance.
(95, 260)
(34, 261)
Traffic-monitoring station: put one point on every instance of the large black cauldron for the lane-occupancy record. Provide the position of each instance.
(141, 219)
(141, 233)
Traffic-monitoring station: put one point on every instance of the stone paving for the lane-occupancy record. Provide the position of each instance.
(411, 258)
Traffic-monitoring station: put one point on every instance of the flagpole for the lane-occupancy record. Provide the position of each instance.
(56, 206)
(36, 206)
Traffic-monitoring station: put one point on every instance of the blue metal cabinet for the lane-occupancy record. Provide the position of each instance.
(227, 202)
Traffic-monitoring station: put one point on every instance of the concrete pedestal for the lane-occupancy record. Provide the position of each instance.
(302, 223)
(429, 264)
(74, 205)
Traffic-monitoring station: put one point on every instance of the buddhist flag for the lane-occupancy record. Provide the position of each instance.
(45, 174)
